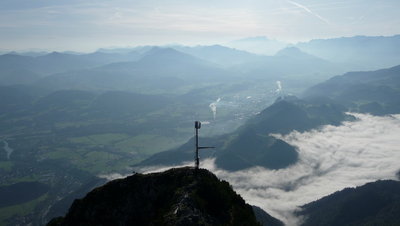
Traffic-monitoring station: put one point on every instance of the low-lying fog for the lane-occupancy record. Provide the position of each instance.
(331, 158)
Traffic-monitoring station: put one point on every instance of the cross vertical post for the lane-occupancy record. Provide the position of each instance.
(197, 126)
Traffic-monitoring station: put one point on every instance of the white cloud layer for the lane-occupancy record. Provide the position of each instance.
(331, 158)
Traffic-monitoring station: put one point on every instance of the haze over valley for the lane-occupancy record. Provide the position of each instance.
(299, 109)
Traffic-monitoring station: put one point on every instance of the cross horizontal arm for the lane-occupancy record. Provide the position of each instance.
(205, 147)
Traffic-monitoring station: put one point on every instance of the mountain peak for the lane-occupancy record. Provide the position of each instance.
(161, 54)
(180, 196)
(55, 55)
(290, 51)
(156, 50)
(296, 53)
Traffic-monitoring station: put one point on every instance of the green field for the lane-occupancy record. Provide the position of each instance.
(19, 210)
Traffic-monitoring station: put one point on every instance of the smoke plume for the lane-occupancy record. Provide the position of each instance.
(213, 107)
(279, 89)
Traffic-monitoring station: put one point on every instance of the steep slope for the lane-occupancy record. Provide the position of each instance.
(173, 197)
(250, 148)
(254, 146)
(376, 203)
(61, 206)
(265, 219)
(375, 92)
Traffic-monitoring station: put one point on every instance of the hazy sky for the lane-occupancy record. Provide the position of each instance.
(85, 25)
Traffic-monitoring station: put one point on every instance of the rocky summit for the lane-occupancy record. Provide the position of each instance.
(180, 196)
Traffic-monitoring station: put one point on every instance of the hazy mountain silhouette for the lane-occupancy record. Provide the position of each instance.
(294, 52)
(218, 54)
(168, 62)
(57, 62)
(375, 92)
(258, 45)
(290, 63)
(358, 52)
(29, 53)
(160, 69)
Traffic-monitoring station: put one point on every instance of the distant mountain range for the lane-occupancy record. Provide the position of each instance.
(162, 70)
(176, 70)
(307, 62)
(56, 62)
(359, 52)
(354, 53)
(220, 55)
(290, 63)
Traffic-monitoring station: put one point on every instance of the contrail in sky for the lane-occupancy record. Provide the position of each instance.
(308, 10)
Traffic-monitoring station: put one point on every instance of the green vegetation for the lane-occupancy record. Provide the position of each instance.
(144, 144)
(99, 139)
(21, 192)
(19, 210)
(63, 138)
(27, 178)
(6, 165)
